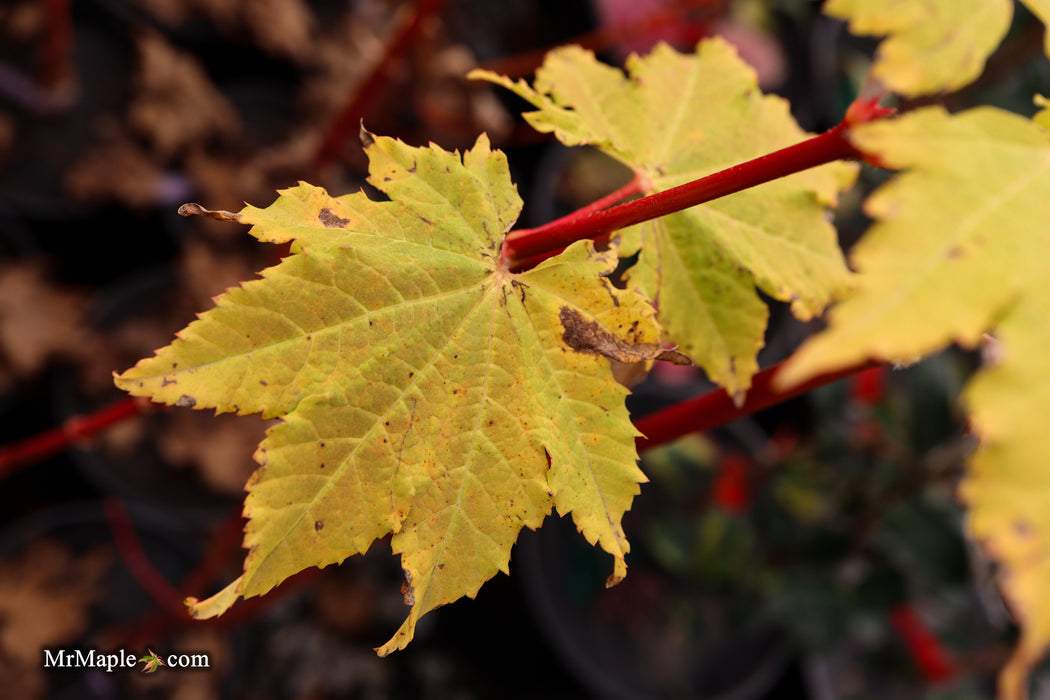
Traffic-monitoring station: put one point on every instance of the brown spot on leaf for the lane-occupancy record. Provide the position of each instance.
(330, 219)
(186, 401)
(406, 589)
(318, 525)
(167, 382)
(263, 382)
(591, 338)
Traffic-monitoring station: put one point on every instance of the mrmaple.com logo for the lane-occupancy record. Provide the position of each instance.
(121, 659)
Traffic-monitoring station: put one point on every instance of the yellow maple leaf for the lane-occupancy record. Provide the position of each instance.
(426, 392)
(930, 46)
(952, 257)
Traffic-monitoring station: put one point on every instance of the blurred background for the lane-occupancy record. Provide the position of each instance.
(812, 551)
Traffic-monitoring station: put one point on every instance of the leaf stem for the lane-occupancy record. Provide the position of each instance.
(716, 408)
(526, 247)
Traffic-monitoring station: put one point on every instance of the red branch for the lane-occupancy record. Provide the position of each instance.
(926, 649)
(135, 558)
(536, 244)
(57, 47)
(631, 188)
(347, 122)
(51, 442)
(716, 408)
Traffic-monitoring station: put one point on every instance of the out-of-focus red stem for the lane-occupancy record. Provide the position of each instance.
(926, 649)
(347, 122)
(134, 556)
(57, 47)
(51, 442)
(535, 244)
(716, 408)
(222, 547)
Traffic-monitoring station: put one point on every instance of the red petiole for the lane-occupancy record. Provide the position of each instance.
(524, 248)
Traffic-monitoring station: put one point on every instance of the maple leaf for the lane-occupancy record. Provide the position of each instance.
(950, 258)
(675, 118)
(931, 46)
(152, 662)
(425, 390)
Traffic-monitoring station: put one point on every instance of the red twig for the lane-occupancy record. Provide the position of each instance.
(138, 563)
(173, 613)
(732, 491)
(347, 122)
(631, 188)
(716, 408)
(51, 442)
(223, 547)
(57, 46)
(925, 647)
(536, 244)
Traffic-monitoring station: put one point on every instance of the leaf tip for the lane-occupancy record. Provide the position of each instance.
(367, 139)
(400, 639)
(739, 396)
(215, 605)
(481, 74)
(618, 574)
(194, 209)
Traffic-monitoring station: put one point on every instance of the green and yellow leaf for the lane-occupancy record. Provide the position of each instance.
(952, 257)
(674, 118)
(930, 46)
(425, 391)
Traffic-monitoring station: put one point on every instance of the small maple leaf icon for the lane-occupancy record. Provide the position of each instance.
(152, 662)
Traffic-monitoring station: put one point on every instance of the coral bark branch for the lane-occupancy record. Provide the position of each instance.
(716, 408)
(527, 247)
